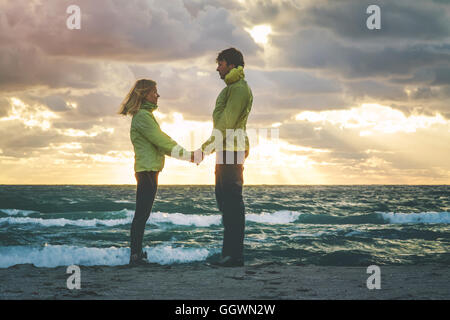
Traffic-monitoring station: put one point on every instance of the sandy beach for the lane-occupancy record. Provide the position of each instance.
(202, 282)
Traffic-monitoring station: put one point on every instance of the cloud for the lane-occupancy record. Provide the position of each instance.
(318, 49)
(39, 50)
(293, 83)
(420, 20)
(149, 31)
(25, 66)
(28, 141)
(319, 58)
(330, 40)
(4, 107)
(354, 136)
(374, 90)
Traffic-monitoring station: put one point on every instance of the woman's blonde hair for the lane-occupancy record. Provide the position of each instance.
(134, 98)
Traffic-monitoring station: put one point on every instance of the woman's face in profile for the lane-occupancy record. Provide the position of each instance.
(153, 96)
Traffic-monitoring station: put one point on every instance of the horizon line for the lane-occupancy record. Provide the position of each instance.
(117, 184)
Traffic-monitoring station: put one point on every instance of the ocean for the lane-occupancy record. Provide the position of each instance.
(50, 226)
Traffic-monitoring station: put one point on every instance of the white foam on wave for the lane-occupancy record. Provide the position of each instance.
(124, 212)
(61, 255)
(186, 219)
(124, 201)
(170, 255)
(61, 222)
(422, 217)
(354, 233)
(317, 234)
(17, 212)
(279, 217)
(70, 201)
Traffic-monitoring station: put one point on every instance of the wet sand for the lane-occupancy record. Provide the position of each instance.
(202, 282)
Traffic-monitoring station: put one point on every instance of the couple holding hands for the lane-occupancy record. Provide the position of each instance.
(228, 140)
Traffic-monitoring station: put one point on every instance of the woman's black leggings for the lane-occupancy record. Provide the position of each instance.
(147, 184)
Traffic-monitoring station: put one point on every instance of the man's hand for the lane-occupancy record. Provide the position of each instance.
(197, 156)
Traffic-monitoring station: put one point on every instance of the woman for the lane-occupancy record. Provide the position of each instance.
(150, 147)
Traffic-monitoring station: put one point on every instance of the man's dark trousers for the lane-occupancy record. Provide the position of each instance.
(229, 182)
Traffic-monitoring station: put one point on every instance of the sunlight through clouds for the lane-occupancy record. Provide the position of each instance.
(30, 116)
(70, 146)
(95, 131)
(372, 118)
(260, 33)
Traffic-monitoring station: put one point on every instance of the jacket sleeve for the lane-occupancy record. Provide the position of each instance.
(233, 110)
(147, 126)
(236, 103)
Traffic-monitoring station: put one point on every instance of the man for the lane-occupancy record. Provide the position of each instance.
(230, 142)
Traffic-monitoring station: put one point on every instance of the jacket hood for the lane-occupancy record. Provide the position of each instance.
(234, 75)
(147, 105)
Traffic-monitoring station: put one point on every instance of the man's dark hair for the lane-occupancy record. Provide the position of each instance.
(231, 56)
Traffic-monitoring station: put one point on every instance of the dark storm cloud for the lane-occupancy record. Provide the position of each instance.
(331, 38)
(375, 90)
(268, 102)
(38, 49)
(284, 93)
(56, 103)
(320, 36)
(329, 137)
(125, 30)
(101, 144)
(442, 76)
(293, 83)
(4, 107)
(318, 49)
(27, 141)
(399, 19)
(90, 107)
(75, 124)
(25, 66)
(97, 105)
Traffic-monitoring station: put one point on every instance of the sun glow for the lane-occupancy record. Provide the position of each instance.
(371, 118)
(260, 33)
(95, 131)
(30, 116)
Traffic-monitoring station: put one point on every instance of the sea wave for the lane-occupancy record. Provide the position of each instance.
(308, 235)
(159, 218)
(124, 201)
(278, 217)
(61, 222)
(376, 218)
(422, 217)
(62, 255)
(125, 216)
(17, 212)
(197, 220)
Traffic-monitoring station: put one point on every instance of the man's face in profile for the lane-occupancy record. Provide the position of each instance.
(223, 68)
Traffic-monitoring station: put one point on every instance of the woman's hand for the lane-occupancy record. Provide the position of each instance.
(197, 156)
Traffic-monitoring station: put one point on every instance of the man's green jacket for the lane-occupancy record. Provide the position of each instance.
(233, 106)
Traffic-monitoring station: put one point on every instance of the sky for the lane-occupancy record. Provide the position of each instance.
(334, 101)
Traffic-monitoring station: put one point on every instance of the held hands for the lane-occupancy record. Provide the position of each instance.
(197, 156)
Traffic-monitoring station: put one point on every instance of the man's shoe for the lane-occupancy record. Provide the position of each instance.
(228, 261)
(139, 260)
